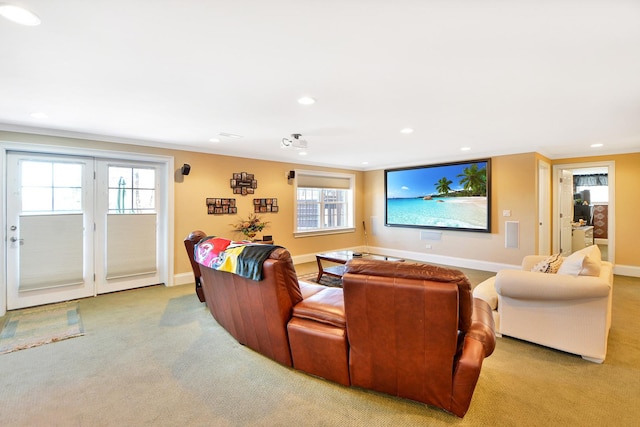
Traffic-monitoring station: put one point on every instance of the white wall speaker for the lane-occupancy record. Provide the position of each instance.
(512, 234)
(431, 235)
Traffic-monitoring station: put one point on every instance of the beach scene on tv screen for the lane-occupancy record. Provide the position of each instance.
(448, 196)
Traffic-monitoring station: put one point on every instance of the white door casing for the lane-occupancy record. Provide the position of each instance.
(610, 165)
(544, 208)
(164, 223)
(566, 211)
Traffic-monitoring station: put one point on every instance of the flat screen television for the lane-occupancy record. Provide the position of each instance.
(450, 196)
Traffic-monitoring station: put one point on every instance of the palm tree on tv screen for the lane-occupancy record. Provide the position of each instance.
(474, 180)
(443, 185)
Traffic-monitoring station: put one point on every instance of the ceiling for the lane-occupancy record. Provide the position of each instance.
(497, 77)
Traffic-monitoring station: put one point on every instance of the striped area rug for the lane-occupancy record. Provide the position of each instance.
(36, 326)
(324, 280)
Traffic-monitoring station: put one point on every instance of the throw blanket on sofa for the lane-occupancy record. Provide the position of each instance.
(242, 258)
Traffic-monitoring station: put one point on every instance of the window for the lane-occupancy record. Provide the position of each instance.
(51, 187)
(324, 202)
(598, 194)
(132, 190)
(596, 184)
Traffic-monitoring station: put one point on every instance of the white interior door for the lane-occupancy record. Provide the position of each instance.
(49, 228)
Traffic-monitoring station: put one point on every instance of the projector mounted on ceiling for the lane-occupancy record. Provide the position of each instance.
(295, 141)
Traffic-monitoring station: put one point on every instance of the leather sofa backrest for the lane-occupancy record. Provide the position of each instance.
(404, 327)
(256, 312)
(420, 272)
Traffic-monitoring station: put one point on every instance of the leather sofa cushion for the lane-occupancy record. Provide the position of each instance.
(308, 289)
(326, 306)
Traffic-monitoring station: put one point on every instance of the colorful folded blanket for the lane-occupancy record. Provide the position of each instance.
(242, 258)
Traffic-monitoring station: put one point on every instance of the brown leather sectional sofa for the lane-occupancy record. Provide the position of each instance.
(406, 329)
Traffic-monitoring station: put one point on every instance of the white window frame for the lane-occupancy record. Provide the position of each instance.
(350, 203)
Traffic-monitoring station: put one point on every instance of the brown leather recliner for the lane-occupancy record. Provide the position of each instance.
(416, 332)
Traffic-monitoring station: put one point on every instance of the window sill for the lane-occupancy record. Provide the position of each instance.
(313, 233)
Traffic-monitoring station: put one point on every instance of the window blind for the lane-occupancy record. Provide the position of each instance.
(131, 245)
(51, 251)
(323, 181)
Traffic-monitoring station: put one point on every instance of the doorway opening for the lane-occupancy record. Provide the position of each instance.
(587, 204)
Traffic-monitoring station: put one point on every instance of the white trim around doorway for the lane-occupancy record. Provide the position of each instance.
(166, 163)
(611, 165)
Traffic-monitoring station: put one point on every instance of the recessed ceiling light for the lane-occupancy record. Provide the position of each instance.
(597, 145)
(230, 135)
(39, 115)
(465, 148)
(19, 15)
(365, 163)
(302, 153)
(406, 131)
(306, 100)
(214, 140)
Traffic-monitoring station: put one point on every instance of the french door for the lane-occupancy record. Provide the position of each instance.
(78, 226)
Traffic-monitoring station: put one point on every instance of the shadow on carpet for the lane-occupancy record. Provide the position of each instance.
(335, 282)
(36, 326)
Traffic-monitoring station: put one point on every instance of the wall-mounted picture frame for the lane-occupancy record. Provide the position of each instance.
(268, 205)
(243, 183)
(220, 206)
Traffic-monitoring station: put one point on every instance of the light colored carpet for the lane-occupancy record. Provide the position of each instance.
(36, 326)
(156, 357)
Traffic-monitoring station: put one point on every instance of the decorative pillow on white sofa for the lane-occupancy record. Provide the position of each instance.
(549, 265)
(585, 262)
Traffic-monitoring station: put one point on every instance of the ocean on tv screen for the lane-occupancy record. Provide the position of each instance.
(450, 212)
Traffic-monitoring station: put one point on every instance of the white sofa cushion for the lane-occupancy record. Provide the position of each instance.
(486, 291)
(585, 262)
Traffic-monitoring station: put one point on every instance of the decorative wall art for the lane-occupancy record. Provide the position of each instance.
(217, 206)
(265, 205)
(243, 183)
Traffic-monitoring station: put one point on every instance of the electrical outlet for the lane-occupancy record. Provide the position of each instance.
(428, 246)
(506, 212)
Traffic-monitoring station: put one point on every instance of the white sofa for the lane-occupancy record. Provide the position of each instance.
(569, 310)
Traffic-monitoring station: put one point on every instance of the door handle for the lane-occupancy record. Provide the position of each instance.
(13, 240)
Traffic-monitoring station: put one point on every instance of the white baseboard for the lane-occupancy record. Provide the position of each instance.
(417, 256)
(622, 270)
(183, 279)
(626, 270)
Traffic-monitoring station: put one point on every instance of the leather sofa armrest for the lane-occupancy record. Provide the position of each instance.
(482, 326)
(479, 342)
(327, 306)
(528, 285)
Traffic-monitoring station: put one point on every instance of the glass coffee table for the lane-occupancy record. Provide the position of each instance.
(340, 258)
